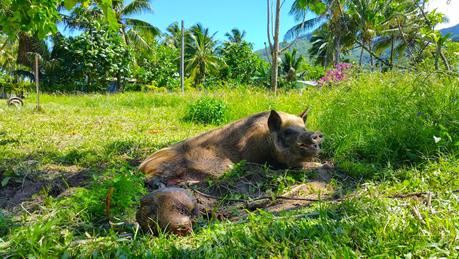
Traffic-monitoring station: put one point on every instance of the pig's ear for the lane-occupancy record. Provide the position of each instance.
(304, 114)
(274, 121)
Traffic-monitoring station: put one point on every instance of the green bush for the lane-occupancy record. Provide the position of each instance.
(207, 110)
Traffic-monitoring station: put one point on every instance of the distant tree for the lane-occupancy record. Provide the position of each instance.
(322, 49)
(201, 57)
(235, 36)
(291, 65)
(158, 67)
(331, 12)
(8, 53)
(87, 62)
(135, 33)
(174, 35)
(134, 30)
(242, 64)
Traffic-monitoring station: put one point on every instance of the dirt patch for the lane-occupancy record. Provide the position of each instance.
(257, 187)
(29, 187)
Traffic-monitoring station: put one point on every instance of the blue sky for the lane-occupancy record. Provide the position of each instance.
(220, 16)
(249, 15)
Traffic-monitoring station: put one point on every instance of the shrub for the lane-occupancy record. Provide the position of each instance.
(207, 110)
(159, 67)
(313, 72)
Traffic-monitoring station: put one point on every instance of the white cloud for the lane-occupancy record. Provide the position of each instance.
(448, 7)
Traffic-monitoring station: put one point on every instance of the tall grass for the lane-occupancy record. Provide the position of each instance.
(390, 119)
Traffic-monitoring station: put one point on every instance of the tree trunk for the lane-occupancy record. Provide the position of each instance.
(392, 51)
(182, 58)
(336, 58)
(25, 46)
(445, 61)
(37, 81)
(123, 32)
(372, 61)
(361, 57)
(275, 51)
(437, 55)
(118, 82)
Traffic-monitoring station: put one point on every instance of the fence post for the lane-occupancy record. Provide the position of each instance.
(37, 83)
(182, 60)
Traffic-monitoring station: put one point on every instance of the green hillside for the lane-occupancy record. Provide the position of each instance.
(303, 45)
(454, 30)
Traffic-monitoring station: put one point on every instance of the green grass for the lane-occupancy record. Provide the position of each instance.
(379, 130)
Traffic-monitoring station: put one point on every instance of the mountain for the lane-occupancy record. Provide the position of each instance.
(302, 45)
(454, 30)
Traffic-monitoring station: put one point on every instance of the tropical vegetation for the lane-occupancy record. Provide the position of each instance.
(381, 81)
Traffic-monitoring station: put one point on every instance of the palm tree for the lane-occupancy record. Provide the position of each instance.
(235, 36)
(174, 36)
(322, 47)
(399, 32)
(365, 14)
(330, 11)
(201, 58)
(291, 65)
(134, 30)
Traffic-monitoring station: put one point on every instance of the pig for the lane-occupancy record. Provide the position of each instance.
(275, 138)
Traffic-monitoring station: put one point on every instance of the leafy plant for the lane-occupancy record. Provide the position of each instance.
(201, 58)
(207, 110)
(243, 65)
(89, 61)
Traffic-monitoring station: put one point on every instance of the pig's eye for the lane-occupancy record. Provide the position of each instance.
(288, 132)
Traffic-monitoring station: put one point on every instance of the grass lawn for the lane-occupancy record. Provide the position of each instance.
(57, 166)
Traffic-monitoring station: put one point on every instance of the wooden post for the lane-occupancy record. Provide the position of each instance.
(275, 51)
(37, 84)
(182, 60)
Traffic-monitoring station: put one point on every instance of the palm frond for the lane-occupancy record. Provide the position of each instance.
(142, 27)
(137, 7)
(137, 39)
(303, 28)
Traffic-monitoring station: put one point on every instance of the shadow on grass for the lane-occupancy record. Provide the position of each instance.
(52, 172)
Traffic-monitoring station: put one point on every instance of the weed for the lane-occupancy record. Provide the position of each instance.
(207, 110)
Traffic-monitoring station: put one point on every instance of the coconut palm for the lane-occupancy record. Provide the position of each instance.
(201, 57)
(235, 36)
(291, 65)
(173, 37)
(322, 47)
(400, 32)
(134, 31)
(366, 14)
(330, 11)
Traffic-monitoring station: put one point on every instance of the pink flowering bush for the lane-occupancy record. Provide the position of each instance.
(339, 73)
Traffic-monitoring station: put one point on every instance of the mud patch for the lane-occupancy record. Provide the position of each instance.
(52, 180)
(250, 187)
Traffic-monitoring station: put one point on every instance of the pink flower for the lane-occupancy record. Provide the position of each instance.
(335, 75)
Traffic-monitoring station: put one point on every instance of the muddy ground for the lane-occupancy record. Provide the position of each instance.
(248, 187)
